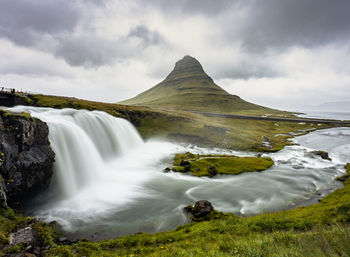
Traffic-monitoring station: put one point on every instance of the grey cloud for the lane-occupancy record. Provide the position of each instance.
(248, 70)
(29, 22)
(147, 36)
(266, 24)
(24, 21)
(91, 51)
(270, 23)
(261, 26)
(34, 70)
(193, 6)
(284, 23)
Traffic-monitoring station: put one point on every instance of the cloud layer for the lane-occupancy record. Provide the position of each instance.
(277, 53)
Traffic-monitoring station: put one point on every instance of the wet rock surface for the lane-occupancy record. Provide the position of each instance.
(3, 200)
(200, 209)
(26, 236)
(29, 239)
(167, 170)
(324, 155)
(26, 158)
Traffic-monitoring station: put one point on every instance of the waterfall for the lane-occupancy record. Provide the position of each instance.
(84, 141)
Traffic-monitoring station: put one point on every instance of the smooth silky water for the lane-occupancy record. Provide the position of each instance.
(108, 182)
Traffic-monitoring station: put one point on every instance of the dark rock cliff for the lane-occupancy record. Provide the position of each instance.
(26, 159)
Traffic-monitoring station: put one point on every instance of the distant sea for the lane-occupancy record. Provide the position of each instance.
(325, 115)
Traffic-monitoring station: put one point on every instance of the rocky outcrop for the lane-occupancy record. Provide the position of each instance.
(33, 236)
(26, 236)
(203, 210)
(200, 209)
(26, 158)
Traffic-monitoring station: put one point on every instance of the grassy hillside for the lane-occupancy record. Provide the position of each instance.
(188, 127)
(188, 87)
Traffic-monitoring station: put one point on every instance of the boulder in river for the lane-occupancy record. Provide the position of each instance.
(200, 209)
(324, 155)
(203, 210)
(167, 170)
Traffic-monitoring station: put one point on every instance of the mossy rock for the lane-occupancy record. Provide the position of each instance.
(203, 211)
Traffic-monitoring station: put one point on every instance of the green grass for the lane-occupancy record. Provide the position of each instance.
(210, 165)
(222, 132)
(117, 110)
(188, 127)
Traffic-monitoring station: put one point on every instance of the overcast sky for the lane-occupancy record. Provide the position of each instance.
(278, 53)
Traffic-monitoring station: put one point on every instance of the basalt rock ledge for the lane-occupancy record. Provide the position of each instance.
(26, 158)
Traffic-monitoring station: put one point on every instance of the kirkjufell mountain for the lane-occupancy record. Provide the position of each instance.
(189, 87)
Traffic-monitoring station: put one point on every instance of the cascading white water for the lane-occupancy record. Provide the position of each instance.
(83, 141)
(111, 183)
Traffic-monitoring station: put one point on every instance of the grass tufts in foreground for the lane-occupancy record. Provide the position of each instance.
(211, 165)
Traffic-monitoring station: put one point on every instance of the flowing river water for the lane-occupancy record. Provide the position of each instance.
(108, 182)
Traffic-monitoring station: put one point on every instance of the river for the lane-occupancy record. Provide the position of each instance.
(108, 182)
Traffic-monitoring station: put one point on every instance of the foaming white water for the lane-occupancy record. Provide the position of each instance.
(335, 141)
(114, 184)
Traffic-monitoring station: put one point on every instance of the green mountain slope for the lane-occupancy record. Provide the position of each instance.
(188, 87)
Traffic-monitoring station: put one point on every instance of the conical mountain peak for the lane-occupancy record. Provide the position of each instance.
(188, 87)
(188, 68)
(188, 63)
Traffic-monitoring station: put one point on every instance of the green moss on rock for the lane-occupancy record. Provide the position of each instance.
(6, 114)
